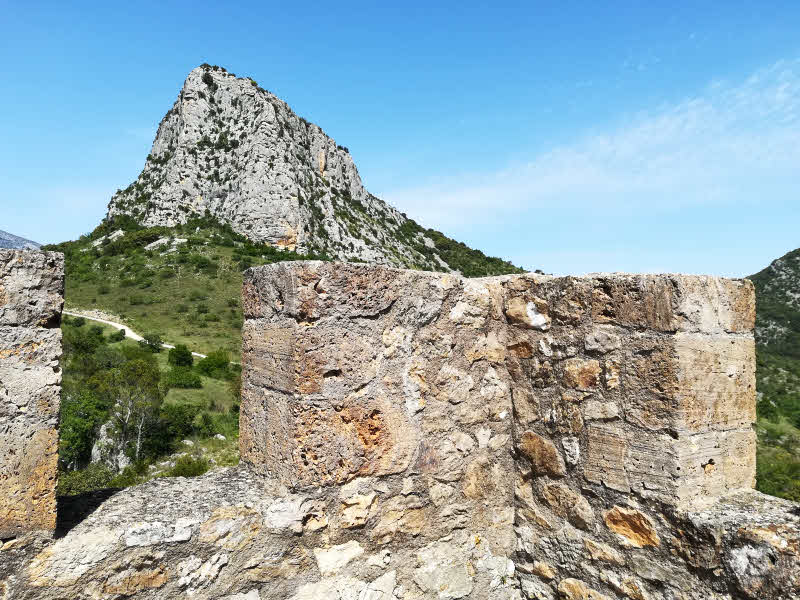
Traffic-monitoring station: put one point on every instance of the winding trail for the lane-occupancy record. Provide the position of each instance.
(129, 333)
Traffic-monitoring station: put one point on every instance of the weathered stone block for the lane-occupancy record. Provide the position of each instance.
(634, 301)
(31, 287)
(714, 305)
(30, 374)
(715, 463)
(670, 303)
(28, 473)
(716, 381)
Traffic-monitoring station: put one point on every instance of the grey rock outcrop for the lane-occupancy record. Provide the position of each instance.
(14, 242)
(235, 150)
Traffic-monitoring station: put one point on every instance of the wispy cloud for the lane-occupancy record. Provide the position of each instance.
(729, 145)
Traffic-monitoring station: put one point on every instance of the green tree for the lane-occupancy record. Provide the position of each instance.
(82, 412)
(152, 341)
(180, 356)
(215, 364)
(135, 397)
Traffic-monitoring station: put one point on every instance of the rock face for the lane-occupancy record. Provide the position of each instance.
(405, 435)
(31, 292)
(235, 150)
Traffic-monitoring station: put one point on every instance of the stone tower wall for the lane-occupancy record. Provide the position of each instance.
(31, 298)
(618, 408)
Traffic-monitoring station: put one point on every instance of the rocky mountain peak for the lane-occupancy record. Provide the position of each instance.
(230, 147)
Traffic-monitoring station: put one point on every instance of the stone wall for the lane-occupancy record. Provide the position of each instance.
(620, 409)
(31, 298)
(409, 436)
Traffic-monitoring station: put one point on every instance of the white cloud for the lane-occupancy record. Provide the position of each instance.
(730, 145)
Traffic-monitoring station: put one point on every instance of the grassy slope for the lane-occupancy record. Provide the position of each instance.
(192, 295)
(778, 376)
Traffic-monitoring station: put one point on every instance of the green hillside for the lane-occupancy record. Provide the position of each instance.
(180, 285)
(778, 376)
(189, 292)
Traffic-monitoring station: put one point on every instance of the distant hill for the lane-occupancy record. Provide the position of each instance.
(231, 149)
(15, 242)
(778, 317)
(778, 375)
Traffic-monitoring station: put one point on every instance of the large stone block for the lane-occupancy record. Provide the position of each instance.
(30, 374)
(669, 303)
(716, 383)
(31, 287)
(331, 382)
(28, 474)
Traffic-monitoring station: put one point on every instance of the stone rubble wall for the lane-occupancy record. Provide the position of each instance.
(409, 436)
(31, 298)
(387, 388)
(626, 402)
(634, 399)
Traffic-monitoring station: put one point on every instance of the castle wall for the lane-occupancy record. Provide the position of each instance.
(619, 407)
(389, 389)
(410, 436)
(31, 298)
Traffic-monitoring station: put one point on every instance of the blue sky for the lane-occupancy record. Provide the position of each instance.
(571, 137)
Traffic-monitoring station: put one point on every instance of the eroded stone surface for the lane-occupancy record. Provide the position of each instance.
(410, 436)
(31, 288)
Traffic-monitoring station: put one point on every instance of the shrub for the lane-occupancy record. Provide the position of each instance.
(215, 365)
(94, 477)
(117, 336)
(178, 419)
(182, 308)
(204, 425)
(202, 309)
(183, 377)
(131, 475)
(152, 342)
(188, 466)
(103, 290)
(180, 356)
(78, 322)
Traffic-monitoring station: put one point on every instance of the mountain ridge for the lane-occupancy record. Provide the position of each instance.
(229, 148)
(15, 242)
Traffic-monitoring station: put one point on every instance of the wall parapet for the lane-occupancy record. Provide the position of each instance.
(409, 436)
(580, 424)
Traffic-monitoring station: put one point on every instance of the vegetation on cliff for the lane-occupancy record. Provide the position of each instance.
(129, 391)
(778, 376)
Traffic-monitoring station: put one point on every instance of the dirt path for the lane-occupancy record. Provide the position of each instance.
(96, 316)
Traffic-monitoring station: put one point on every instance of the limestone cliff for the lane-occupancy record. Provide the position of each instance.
(231, 148)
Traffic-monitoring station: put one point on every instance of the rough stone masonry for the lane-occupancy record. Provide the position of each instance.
(410, 435)
(31, 298)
